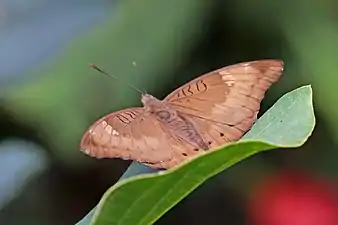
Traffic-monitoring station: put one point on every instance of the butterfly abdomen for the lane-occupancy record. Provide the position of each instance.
(181, 128)
(189, 133)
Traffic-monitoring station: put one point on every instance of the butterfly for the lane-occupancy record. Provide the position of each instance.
(211, 110)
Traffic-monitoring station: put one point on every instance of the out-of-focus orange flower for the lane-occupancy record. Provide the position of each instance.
(294, 198)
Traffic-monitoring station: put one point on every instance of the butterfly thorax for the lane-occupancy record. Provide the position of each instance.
(178, 125)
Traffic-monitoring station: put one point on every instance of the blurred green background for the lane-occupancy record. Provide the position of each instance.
(48, 98)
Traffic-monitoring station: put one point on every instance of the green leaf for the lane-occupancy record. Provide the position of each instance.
(143, 199)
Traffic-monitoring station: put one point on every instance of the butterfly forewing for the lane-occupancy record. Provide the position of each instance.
(132, 134)
(127, 134)
(224, 103)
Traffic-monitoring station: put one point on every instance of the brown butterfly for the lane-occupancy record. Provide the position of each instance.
(209, 111)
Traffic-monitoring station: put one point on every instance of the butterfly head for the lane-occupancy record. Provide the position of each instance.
(150, 102)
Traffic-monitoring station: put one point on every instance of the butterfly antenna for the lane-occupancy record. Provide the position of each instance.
(92, 65)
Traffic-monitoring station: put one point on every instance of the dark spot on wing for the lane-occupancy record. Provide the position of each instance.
(189, 87)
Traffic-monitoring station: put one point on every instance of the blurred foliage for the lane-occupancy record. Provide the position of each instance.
(67, 91)
(170, 42)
